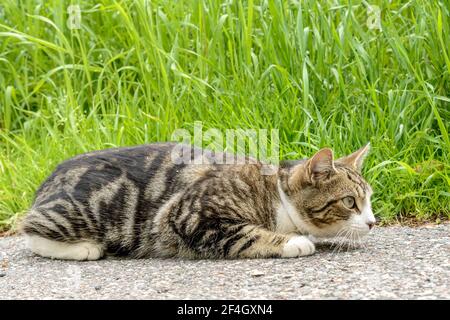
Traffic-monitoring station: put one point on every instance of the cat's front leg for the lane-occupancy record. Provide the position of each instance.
(258, 242)
(207, 229)
(237, 241)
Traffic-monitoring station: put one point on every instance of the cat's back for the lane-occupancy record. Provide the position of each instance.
(146, 169)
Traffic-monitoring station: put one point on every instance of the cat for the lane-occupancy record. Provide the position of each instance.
(139, 202)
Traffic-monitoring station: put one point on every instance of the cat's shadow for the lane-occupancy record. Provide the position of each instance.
(330, 247)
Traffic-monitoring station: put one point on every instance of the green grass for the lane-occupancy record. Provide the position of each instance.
(135, 72)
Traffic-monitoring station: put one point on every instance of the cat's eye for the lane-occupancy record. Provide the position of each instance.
(349, 202)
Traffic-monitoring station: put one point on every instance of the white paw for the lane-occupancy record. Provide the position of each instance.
(78, 252)
(83, 251)
(298, 246)
(92, 252)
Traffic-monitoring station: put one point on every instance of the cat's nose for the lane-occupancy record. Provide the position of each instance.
(370, 224)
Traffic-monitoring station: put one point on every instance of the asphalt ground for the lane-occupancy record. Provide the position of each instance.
(396, 262)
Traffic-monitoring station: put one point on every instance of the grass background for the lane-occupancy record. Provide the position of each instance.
(136, 71)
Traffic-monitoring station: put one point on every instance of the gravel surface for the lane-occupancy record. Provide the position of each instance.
(395, 263)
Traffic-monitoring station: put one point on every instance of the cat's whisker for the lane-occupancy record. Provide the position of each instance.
(355, 236)
(349, 240)
(350, 245)
(343, 239)
(338, 239)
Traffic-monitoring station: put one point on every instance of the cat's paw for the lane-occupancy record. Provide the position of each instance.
(298, 246)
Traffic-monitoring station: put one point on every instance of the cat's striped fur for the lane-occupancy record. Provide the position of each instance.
(138, 202)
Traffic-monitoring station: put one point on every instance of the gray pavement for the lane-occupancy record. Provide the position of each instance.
(395, 263)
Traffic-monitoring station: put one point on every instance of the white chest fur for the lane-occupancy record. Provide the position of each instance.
(288, 219)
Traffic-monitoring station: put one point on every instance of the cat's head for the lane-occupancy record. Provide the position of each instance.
(330, 196)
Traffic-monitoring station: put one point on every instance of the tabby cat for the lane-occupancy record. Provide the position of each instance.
(138, 202)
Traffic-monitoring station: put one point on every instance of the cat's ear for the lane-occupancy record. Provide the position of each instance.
(356, 159)
(321, 165)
